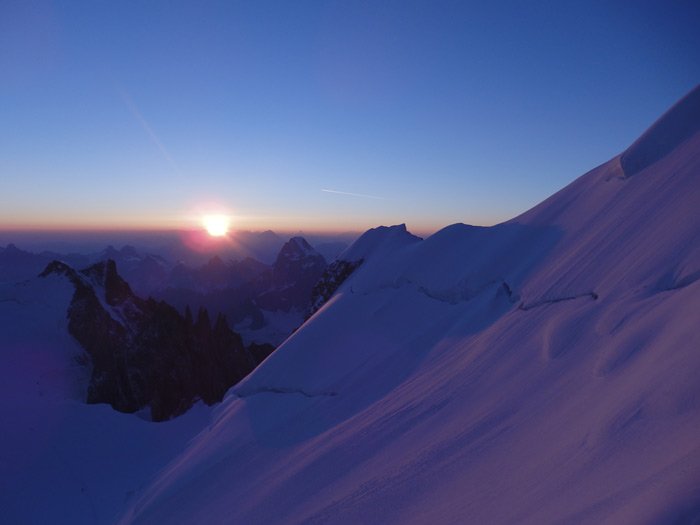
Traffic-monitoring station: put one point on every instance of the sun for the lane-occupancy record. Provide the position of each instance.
(216, 225)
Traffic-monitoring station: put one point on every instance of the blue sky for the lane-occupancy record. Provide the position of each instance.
(148, 114)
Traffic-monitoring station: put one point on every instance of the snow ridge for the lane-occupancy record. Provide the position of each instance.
(676, 126)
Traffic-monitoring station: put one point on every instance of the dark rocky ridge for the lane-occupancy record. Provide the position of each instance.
(335, 275)
(143, 353)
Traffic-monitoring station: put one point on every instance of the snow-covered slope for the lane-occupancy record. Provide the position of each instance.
(540, 371)
(61, 460)
(680, 123)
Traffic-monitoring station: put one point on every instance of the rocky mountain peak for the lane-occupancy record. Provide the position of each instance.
(288, 286)
(104, 274)
(297, 260)
(296, 248)
(58, 268)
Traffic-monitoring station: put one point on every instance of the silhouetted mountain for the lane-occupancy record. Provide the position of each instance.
(16, 264)
(264, 302)
(216, 274)
(144, 272)
(191, 249)
(259, 245)
(297, 269)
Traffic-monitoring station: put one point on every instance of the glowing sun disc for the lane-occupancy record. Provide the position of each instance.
(216, 225)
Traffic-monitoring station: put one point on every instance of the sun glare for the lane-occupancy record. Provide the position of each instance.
(216, 225)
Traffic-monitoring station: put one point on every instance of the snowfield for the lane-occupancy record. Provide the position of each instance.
(544, 370)
(63, 461)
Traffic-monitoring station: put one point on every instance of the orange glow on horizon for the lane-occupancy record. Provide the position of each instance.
(194, 221)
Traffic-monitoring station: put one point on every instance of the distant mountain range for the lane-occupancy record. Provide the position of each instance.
(189, 247)
(266, 301)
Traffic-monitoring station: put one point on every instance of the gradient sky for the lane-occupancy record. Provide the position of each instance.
(147, 114)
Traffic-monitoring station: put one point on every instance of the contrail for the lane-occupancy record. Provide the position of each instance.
(147, 128)
(364, 195)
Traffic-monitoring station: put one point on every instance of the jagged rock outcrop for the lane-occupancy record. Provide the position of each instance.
(143, 353)
(335, 275)
(144, 272)
(260, 351)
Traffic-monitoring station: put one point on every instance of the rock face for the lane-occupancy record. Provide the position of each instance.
(143, 353)
(335, 275)
(295, 272)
